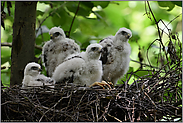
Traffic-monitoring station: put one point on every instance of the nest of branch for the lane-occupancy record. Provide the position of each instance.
(150, 98)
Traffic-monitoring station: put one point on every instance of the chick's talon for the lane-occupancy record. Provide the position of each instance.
(101, 84)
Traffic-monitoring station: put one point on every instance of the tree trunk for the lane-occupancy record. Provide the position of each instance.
(23, 39)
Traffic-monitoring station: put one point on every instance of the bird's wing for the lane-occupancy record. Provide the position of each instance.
(45, 55)
(107, 45)
(35, 82)
(45, 80)
(68, 70)
(74, 45)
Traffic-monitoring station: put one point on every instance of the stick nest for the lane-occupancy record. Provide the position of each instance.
(154, 97)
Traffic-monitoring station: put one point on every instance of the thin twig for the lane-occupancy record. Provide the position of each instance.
(50, 14)
(160, 39)
(54, 106)
(10, 45)
(73, 20)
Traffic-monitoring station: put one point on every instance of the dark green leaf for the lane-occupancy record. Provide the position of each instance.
(168, 4)
(83, 10)
(60, 17)
(5, 77)
(39, 13)
(103, 4)
(57, 3)
(5, 59)
(9, 39)
(178, 3)
(63, 19)
(46, 2)
(87, 4)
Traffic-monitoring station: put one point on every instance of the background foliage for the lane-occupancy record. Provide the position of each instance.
(88, 22)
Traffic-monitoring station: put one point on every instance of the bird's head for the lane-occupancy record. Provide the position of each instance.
(56, 33)
(93, 51)
(32, 69)
(123, 34)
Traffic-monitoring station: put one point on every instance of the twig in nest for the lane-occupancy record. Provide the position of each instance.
(54, 106)
(113, 117)
(106, 110)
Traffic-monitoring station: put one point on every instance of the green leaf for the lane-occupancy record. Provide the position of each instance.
(39, 13)
(5, 77)
(178, 3)
(63, 19)
(5, 59)
(83, 9)
(126, 76)
(142, 73)
(60, 17)
(168, 4)
(46, 2)
(10, 39)
(57, 3)
(39, 40)
(5, 54)
(103, 4)
(87, 4)
(5, 51)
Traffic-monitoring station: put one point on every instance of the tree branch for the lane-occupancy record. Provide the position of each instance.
(144, 64)
(73, 20)
(160, 39)
(10, 45)
(50, 15)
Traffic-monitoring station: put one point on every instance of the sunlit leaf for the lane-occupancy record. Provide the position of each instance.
(5, 51)
(126, 76)
(142, 73)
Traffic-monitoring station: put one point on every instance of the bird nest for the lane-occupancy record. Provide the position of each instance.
(154, 97)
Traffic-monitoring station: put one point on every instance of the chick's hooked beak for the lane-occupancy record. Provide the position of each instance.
(51, 36)
(127, 35)
(39, 69)
(102, 50)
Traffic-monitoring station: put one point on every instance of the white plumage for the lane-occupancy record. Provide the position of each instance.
(116, 55)
(81, 69)
(57, 49)
(32, 76)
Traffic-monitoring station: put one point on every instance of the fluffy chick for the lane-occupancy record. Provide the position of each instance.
(116, 56)
(32, 76)
(57, 49)
(81, 69)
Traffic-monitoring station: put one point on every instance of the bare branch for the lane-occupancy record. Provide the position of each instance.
(10, 45)
(73, 20)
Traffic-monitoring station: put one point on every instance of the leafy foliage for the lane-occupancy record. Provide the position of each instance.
(90, 21)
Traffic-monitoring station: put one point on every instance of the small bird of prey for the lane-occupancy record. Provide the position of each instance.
(116, 55)
(32, 76)
(81, 69)
(57, 49)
